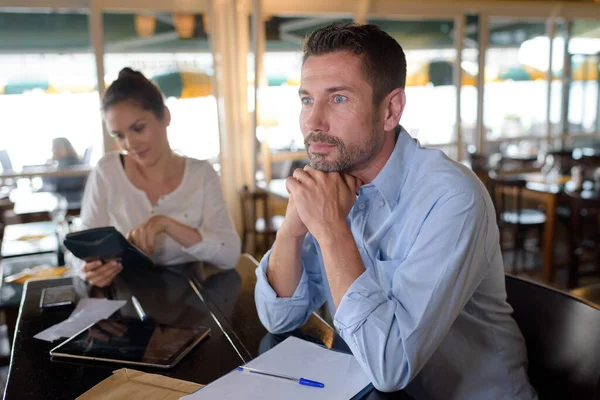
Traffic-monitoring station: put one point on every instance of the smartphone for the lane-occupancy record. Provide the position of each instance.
(58, 296)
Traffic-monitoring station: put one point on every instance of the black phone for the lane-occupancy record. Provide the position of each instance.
(58, 296)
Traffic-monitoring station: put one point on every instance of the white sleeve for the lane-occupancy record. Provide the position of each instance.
(221, 244)
(94, 210)
(94, 205)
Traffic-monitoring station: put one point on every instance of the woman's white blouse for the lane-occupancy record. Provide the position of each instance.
(110, 199)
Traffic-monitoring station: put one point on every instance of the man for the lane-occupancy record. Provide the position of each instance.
(399, 240)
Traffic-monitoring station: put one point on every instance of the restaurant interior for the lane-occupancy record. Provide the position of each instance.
(509, 89)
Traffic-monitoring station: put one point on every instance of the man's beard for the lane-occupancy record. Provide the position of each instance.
(350, 155)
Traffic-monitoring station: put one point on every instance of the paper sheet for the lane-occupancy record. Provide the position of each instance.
(341, 374)
(88, 312)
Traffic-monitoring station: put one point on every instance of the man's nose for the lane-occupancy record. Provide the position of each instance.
(316, 119)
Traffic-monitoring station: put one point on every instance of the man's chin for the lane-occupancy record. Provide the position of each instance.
(325, 165)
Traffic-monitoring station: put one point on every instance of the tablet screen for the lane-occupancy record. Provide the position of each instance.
(132, 341)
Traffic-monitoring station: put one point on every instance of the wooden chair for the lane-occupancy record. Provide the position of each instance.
(507, 195)
(561, 333)
(584, 235)
(260, 228)
(519, 164)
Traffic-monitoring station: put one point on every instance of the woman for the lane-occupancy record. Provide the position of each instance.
(64, 156)
(169, 206)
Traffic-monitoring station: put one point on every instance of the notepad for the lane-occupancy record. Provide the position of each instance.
(341, 374)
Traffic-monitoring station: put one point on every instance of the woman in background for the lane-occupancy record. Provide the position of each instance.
(64, 156)
(168, 205)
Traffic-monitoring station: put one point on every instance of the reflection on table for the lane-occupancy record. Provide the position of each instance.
(187, 295)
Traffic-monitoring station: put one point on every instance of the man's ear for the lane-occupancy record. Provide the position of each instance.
(394, 104)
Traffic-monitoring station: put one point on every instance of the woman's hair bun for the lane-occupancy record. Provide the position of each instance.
(129, 73)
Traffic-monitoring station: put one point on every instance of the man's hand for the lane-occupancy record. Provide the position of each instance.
(292, 224)
(322, 200)
(144, 235)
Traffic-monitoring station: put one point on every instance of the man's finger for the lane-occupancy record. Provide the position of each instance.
(291, 184)
(301, 176)
(352, 182)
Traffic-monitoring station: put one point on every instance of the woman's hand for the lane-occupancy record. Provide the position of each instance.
(144, 235)
(101, 274)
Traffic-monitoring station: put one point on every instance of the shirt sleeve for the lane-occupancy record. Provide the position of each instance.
(220, 244)
(284, 314)
(94, 211)
(393, 333)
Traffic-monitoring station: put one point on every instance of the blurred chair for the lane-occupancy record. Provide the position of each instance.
(512, 216)
(561, 333)
(584, 235)
(589, 163)
(5, 161)
(87, 156)
(559, 159)
(519, 164)
(261, 229)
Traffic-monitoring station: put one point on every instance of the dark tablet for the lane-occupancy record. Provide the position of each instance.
(130, 341)
(105, 244)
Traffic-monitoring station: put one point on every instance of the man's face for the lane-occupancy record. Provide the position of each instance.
(341, 127)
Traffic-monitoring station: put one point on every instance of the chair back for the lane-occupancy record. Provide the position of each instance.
(584, 231)
(562, 334)
(253, 202)
(87, 155)
(5, 161)
(507, 195)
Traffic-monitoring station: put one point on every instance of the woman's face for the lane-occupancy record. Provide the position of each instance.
(138, 132)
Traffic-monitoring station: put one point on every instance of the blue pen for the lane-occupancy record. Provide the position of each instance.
(302, 381)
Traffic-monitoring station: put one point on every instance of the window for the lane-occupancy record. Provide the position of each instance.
(47, 87)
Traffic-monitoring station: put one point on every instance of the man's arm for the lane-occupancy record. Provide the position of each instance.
(393, 334)
(289, 284)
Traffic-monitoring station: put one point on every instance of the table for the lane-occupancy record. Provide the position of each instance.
(29, 239)
(47, 171)
(11, 293)
(186, 295)
(30, 207)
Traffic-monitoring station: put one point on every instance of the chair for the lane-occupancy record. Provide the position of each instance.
(507, 196)
(5, 161)
(561, 333)
(87, 156)
(519, 164)
(264, 227)
(584, 232)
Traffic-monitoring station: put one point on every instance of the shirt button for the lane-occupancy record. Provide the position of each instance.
(382, 203)
(362, 206)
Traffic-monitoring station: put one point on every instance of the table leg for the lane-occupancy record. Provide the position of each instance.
(549, 237)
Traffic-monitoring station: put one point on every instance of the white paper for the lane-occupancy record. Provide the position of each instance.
(341, 374)
(88, 312)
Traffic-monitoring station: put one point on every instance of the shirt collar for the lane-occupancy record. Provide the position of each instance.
(390, 180)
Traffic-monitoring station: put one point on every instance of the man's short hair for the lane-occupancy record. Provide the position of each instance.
(384, 62)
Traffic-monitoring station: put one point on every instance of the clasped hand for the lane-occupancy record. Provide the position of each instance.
(319, 202)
